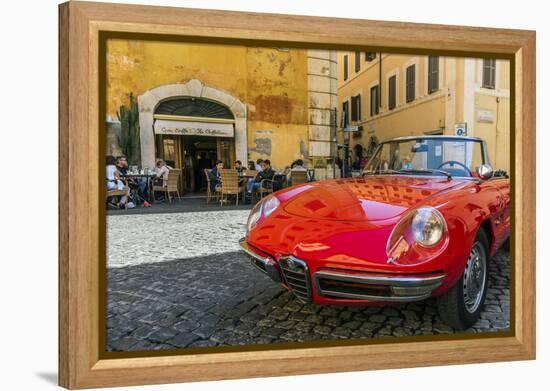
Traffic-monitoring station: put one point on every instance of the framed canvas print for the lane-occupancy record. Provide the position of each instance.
(246, 195)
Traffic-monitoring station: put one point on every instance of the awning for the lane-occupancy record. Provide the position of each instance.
(189, 128)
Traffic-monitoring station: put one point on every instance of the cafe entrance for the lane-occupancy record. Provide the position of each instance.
(192, 134)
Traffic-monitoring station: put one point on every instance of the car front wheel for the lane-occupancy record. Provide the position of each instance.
(461, 305)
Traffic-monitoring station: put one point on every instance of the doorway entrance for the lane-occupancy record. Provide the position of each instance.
(192, 134)
(194, 154)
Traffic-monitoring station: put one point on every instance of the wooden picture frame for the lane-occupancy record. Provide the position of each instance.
(81, 363)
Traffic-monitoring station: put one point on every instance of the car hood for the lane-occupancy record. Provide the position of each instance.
(371, 198)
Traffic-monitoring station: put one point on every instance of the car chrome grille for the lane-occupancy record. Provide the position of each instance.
(296, 277)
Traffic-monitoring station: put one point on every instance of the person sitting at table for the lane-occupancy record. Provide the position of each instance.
(297, 165)
(122, 165)
(239, 166)
(215, 176)
(114, 181)
(162, 169)
(265, 173)
(258, 166)
(251, 165)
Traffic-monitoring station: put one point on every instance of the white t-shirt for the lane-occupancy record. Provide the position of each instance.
(111, 169)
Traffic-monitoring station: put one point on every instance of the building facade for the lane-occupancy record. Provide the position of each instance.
(201, 102)
(382, 96)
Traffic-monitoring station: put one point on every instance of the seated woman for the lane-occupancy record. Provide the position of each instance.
(114, 181)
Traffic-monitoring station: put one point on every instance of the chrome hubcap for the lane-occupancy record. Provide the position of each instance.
(473, 283)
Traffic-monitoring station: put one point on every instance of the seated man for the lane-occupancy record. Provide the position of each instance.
(215, 176)
(266, 173)
(298, 165)
(239, 166)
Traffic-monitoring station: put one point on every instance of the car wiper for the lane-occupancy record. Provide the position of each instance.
(429, 171)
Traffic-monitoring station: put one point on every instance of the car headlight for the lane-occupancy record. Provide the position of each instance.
(254, 216)
(269, 205)
(427, 226)
(263, 208)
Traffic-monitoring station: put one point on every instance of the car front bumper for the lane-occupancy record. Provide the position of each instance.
(336, 285)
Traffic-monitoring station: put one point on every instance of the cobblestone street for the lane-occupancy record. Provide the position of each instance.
(175, 281)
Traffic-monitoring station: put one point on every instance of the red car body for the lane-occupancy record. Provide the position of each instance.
(334, 235)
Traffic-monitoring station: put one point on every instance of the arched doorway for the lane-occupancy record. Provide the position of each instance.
(193, 133)
(191, 110)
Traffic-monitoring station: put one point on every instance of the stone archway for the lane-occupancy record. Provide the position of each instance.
(193, 88)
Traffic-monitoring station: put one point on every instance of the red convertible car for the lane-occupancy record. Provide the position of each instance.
(422, 221)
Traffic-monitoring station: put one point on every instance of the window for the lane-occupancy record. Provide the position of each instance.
(374, 97)
(356, 108)
(346, 67)
(370, 56)
(433, 74)
(392, 85)
(410, 83)
(345, 115)
(489, 70)
(357, 62)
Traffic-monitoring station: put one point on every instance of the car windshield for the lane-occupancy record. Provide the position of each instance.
(428, 156)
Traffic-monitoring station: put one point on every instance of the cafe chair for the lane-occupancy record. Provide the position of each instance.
(230, 185)
(120, 192)
(210, 194)
(171, 184)
(298, 177)
(266, 187)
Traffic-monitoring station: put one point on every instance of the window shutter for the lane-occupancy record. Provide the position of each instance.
(392, 92)
(489, 73)
(374, 96)
(353, 108)
(433, 74)
(410, 83)
(346, 67)
(357, 62)
(345, 115)
(358, 101)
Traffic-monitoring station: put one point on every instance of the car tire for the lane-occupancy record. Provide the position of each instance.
(461, 310)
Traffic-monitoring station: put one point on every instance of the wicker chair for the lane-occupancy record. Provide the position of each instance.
(120, 192)
(210, 194)
(171, 184)
(266, 187)
(298, 177)
(230, 185)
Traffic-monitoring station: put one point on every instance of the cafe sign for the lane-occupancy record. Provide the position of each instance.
(191, 128)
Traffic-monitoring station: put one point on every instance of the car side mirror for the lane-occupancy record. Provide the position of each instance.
(485, 171)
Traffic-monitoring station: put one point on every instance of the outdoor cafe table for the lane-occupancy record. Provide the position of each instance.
(148, 179)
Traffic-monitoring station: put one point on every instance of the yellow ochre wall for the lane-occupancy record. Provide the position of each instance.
(272, 82)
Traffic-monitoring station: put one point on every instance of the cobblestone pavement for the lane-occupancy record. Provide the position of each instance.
(150, 238)
(214, 296)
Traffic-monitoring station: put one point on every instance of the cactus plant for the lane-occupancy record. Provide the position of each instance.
(128, 140)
